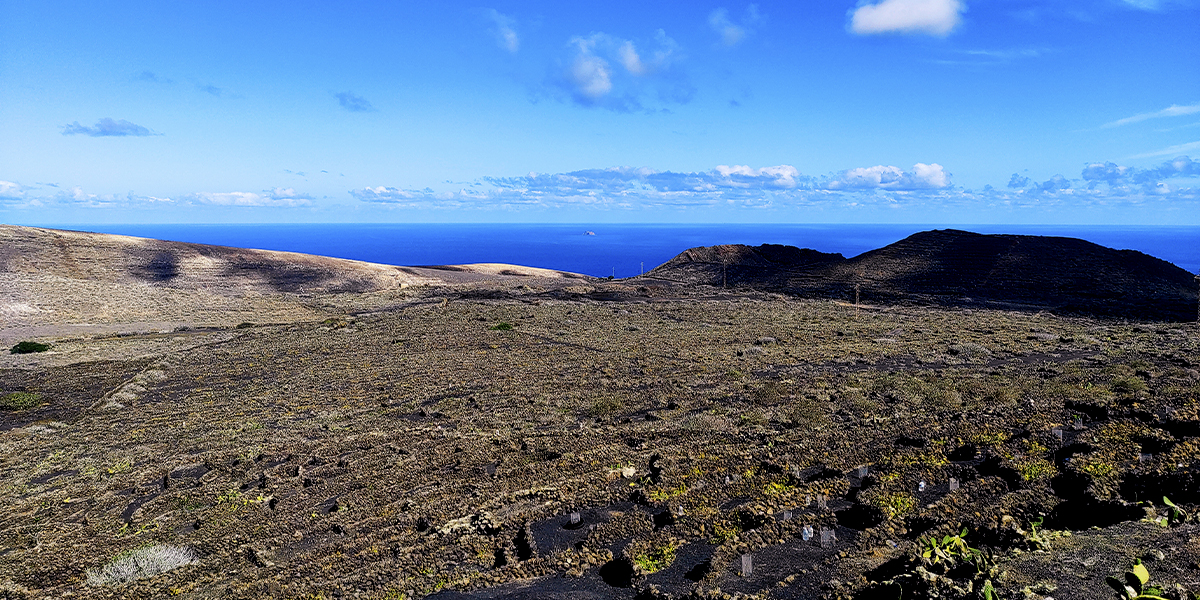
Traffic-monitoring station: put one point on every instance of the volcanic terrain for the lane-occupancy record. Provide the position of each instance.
(300, 427)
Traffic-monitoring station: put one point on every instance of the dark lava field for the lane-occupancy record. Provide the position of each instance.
(611, 442)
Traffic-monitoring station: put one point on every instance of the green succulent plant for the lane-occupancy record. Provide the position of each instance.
(949, 549)
(1136, 584)
(1176, 514)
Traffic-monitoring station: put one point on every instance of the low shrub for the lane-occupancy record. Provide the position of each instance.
(502, 326)
(141, 563)
(29, 348)
(604, 407)
(20, 400)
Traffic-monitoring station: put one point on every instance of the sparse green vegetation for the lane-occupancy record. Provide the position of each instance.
(1034, 468)
(656, 559)
(604, 407)
(20, 400)
(1136, 585)
(418, 433)
(894, 504)
(1128, 385)
(502, 326)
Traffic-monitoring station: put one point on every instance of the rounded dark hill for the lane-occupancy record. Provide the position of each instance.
(960, 268)
(1062, 274)
(741, 265)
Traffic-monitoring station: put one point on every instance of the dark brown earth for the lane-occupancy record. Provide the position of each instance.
(958, 268)
(434, 441)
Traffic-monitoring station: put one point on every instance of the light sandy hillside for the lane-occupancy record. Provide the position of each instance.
(88, 282)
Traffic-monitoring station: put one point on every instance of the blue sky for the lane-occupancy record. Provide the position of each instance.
(884, 111)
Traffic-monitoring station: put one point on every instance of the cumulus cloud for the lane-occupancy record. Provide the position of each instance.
(506, 35)
(921, 177)
(354, 103)
(1118, 175)
(107, 127)
(929, 17)
(1174, 110)
(1018, 181)
(732, 33)
(590, 75)
(278, 197)
(11, 191)
(609, 72)
(784, 188)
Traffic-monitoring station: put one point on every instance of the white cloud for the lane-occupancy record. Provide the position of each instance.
(1176, 150)
(1155, 5)
(1174, 110)
(733, 33)
(925, 189)
(391, 194)
(610, 72)
(506, 35)
(590, 74)
(922, 177)
(278, 197)
(1119, 175)
(107, 127)
(11, 191)
(782, 176)
(931, 17)
(630, 59)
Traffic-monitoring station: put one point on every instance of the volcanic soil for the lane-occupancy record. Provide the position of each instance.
(558, 437)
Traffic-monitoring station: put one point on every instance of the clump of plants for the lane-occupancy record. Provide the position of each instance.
(894, 504)
(502, 326)
(20, 400)
(950, 550)
(1128, 385)
(1175, 515)
(656, 559)
(1135, 585)
(604, 407)
(29, 347)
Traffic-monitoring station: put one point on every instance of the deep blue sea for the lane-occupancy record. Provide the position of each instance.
(615, 249)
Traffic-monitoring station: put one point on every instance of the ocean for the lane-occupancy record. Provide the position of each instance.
(621, 250)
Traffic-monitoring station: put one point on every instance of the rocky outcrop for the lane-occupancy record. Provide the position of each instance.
(951, 267)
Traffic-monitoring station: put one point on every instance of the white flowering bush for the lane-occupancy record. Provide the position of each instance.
(141, 563)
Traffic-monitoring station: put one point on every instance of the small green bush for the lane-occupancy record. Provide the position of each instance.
(502, 326)
(20, 400)
(29, 347)
(604, 407)
(1128, 385)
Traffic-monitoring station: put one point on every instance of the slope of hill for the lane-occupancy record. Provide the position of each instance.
(54, 278)
(950, 267)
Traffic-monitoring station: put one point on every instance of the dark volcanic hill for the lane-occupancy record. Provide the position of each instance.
(951, 267)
